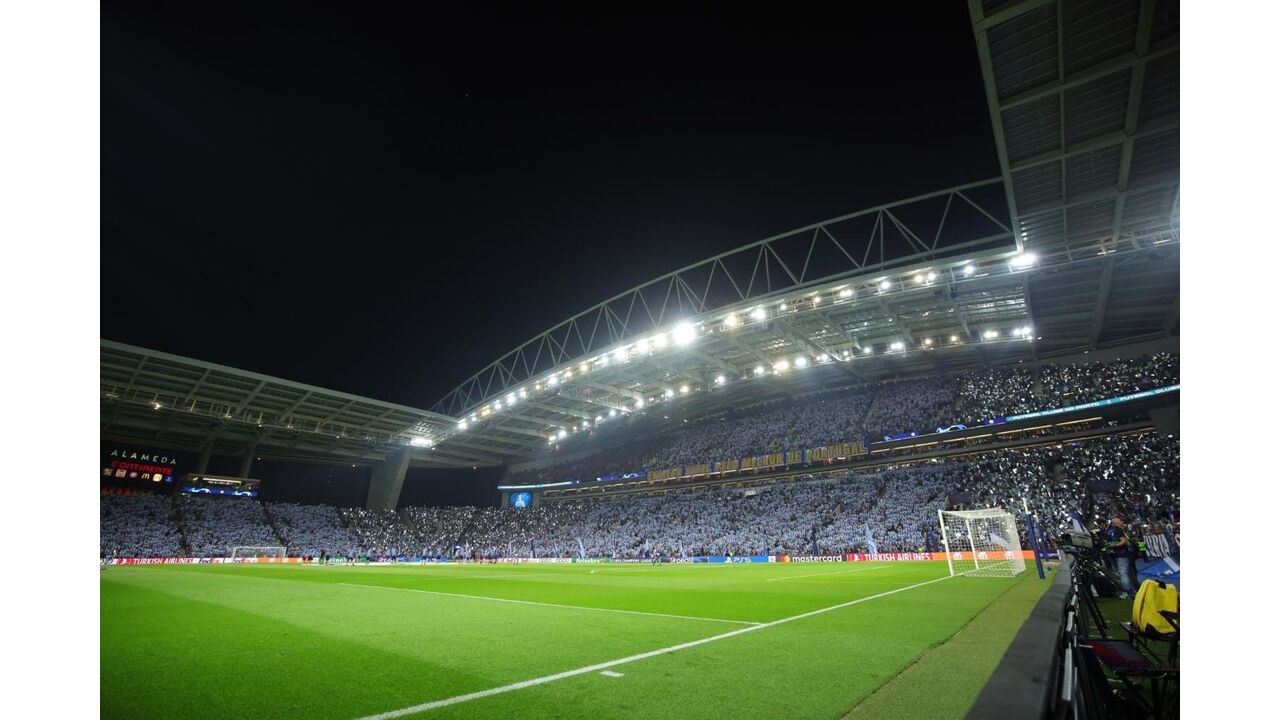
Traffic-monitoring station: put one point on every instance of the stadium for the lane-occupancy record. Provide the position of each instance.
(919, 459)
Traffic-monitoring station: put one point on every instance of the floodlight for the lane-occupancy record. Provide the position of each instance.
(816, 299)
(931, 276)
(562, 434)
(523, 393)
(613, 412)
(642, 346)
(730, 320)
(1022, 260)
(759, 370)
(919, 279)
(928, 341)
(583, 367)
(620, 354)
(955, 338)
(896, 345)
(781, 365)
(782, 306)
(660, 341)
(969, 270)
(551, 439)
(420, 442)
(669, 393)
(462, 425)
(846, 293)
(990, 334)
(802, 361)
(759, 314)
(599, 418)
(866, 350)
(552, 381)
(639, 403)
(684, 389)
(885, 285)
(684, 333)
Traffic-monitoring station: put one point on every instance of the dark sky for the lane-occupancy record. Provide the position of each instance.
(383, 199)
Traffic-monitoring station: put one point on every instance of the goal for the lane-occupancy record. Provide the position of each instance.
(981, 543)
(241, 552)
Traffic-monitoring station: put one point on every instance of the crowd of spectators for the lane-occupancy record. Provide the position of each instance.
(871, 413)
(309, 530)
(1064, 385)
(214, 526)
(379, 533)
(132, 526)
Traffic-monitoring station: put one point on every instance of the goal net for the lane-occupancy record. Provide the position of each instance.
(981, 543)
(241, 552)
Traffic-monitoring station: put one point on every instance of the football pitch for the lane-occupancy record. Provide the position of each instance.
(557, 641)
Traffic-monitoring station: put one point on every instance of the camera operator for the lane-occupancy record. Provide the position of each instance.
(1124, 553)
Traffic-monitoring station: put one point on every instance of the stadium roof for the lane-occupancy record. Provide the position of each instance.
(1074, 247)
(155, 397)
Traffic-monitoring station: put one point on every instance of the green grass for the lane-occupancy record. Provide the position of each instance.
(220, 641)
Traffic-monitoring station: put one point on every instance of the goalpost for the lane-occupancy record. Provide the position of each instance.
(240, 552)
(988, 537)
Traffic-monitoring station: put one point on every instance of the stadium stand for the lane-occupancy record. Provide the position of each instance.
(891, 509)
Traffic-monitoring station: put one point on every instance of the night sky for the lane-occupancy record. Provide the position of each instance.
(382, 200)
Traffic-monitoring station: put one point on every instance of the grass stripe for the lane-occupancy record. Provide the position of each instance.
(414, 709)
(554, 605)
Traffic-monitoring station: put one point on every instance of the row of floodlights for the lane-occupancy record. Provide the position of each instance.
(780, 367)
(686, 333)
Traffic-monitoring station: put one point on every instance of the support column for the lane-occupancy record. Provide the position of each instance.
(202, 463)
(246, 462)
(387, 479)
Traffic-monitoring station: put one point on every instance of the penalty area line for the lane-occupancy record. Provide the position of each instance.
(598, 667)
(554, 605)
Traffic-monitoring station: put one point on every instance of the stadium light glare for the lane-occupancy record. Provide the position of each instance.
(642, 346)
(684, 389)
(562, 434)
(969, 270)
(684, 334)
(928, 341)
(759, 370)
(462, 426)
(669, 393)
(613, 412)
(816, 299)
(955, 338)
(782, 306)
(919, 279)
(990, 334)
(1023, 260)
(524, 394)
(552, 381)
(758, 314)
(639, 403)
(846, 293)
(931, 276)
(802, 361)
(730, 320)
(620, 354)
(420, 442)
(719, 379)
(660, 340)
(599, 419)
(551, 439)
(781, 366)
(896, 345)
(583, 367)
(885, 285)
(866, 350)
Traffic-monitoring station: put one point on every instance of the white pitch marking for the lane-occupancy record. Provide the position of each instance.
(610, 673)
(836, 572)
(555, 605)
(622, 661)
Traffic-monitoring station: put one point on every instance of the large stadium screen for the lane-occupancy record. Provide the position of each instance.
(139, 466)
(520, 500)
